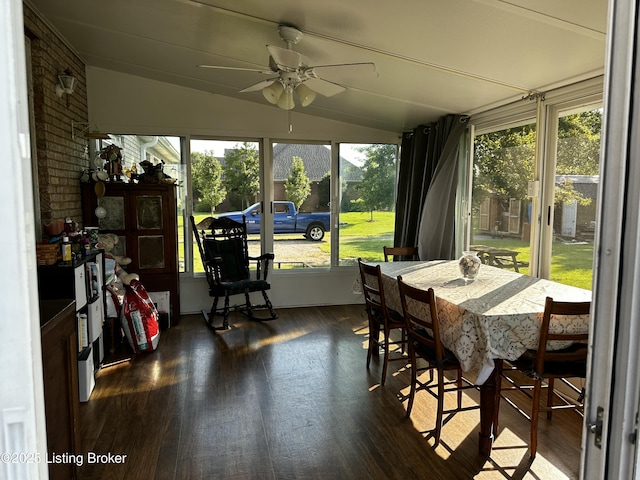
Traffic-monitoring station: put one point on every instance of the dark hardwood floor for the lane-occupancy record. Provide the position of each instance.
(292, 399)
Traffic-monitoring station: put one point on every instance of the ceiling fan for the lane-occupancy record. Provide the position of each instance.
(292, 73)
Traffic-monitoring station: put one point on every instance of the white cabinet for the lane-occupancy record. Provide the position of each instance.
(80, 280)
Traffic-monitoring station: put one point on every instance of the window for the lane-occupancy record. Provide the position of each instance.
(225, 178)
(163, 154)
(368, 174)
(301, 209)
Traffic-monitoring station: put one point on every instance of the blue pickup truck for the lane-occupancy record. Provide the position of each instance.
(285, 220)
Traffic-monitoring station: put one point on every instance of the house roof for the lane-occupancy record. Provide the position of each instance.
(316, 160)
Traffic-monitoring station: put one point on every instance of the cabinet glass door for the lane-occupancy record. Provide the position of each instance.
(111, 213)
(149, 212)
(149, 221)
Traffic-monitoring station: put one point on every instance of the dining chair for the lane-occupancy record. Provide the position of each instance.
(541, 367)
(407, 253)
(380, 317)
(423, 334)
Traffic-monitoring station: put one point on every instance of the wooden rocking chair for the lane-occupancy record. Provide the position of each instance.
(225, 257)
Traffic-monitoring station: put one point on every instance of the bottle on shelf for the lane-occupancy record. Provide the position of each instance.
(66, 249)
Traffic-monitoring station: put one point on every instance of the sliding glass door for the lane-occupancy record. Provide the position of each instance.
(573, 204)
(534, 194)
(501, 213)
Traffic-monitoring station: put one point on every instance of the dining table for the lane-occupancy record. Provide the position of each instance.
(495, 317)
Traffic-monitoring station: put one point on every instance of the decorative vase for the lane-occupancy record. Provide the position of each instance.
(469, 265)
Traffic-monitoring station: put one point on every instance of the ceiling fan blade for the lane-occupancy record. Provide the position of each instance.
(259, 85)
(285, 59)
(345, 69)
(221, 67)
(324, 87)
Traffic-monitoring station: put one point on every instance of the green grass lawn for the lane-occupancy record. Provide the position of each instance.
(362, 238)
(571, 263)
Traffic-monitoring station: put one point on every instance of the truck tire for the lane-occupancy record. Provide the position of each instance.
(315, 232)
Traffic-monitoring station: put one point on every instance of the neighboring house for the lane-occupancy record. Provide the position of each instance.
(156, 149)
(571, 219)
(502, 216)
(317, 164)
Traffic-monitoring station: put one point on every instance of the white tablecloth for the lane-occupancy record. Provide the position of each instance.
(496, 316)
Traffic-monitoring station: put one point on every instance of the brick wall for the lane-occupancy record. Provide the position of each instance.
(60, 158)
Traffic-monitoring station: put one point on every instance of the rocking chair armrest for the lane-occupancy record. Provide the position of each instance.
(265, 256)
(216, 261)
(262, 270)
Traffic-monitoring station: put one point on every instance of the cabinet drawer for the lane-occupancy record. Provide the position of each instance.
(94, 319)
(80, 286)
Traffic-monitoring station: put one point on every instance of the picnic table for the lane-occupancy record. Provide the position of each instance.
(499, 257)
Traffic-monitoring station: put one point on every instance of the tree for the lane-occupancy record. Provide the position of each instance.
(242, 174)
(578, 152)
(206, 173)
(377, 187)
(579, 143)
(297, 187)
(504, 162)
(324, 190)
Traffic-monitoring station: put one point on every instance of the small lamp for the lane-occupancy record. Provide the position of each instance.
(66, 84)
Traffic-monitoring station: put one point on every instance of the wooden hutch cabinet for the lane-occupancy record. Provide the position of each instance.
(144, 218)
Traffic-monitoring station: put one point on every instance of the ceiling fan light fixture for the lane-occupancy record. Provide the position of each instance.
(273, 92)
(286, 100)
(305, 94)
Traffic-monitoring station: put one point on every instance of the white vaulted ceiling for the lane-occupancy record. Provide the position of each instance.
(433, 57)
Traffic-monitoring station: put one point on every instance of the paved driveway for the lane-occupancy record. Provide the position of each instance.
(297, 253)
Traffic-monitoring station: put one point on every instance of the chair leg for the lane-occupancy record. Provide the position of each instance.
(438, 429)
(496, 415)
(550, 397)
(372, 342)
(535, 410)
(459, 385)
(267, 303)
(225, 313)
(374, 336)
(210, 317)
(385, 360)
(248, 305)
(414, 379)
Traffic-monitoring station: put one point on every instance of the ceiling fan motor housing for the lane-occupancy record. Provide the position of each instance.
(291, 35)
